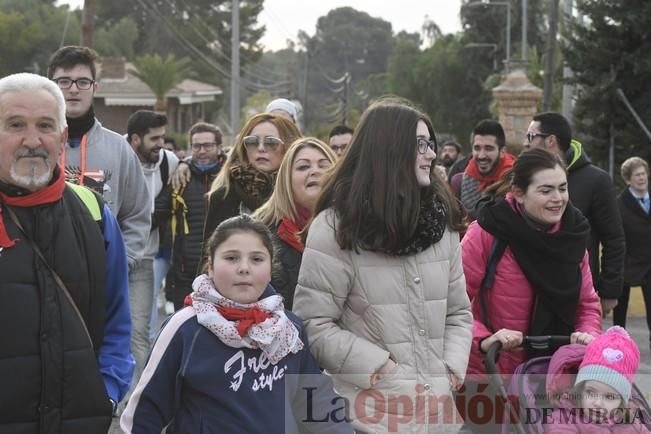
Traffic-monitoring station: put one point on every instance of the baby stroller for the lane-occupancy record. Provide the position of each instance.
(527, 390)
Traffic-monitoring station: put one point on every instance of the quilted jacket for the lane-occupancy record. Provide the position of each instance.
(362, 308)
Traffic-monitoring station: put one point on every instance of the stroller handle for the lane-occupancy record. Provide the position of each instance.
(531, 342)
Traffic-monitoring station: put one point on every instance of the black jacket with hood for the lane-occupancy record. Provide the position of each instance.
(593, 193)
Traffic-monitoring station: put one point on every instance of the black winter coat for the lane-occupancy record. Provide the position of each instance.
(287, 264)
(593, 193)
(187, 248)
(637, 227)
(50, 382)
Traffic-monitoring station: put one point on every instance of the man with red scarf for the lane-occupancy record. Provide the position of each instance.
(64, 313)
(488, 163)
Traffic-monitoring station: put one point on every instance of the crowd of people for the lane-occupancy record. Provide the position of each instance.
(353, 285)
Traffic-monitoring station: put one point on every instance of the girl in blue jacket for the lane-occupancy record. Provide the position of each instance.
(234, 360)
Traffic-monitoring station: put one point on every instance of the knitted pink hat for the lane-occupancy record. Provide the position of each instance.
(613, 359)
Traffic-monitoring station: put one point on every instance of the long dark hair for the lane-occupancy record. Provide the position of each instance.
(374, 190)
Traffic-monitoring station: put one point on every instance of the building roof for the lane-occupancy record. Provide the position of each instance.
(128, 90)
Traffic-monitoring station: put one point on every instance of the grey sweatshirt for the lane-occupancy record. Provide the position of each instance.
(113, 170)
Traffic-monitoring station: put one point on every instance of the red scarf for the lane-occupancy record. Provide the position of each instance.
(506, 162)
(247, 318)
(44, 196)
(288, 229)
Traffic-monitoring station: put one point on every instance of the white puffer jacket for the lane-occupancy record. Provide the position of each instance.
(361, 309)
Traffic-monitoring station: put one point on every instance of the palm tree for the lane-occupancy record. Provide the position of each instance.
(161, 75)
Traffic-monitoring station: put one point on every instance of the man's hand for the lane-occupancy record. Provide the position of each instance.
(181, 176)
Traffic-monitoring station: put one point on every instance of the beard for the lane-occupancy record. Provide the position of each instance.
(34, 180)
(447, 161)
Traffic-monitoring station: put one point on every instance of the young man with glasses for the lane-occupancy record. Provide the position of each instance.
(593, 193)
(97, 157)
(146, 135)
(188, 205)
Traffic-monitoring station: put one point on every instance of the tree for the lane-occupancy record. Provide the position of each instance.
(449, 90)
(161, 75)
(609, 50)
(30, 31)
(346, 41)
(198, 28)
(118, 40)
(402, 67)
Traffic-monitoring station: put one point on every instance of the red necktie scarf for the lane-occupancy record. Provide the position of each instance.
(506, 162)
(247, 318)
(44, 196)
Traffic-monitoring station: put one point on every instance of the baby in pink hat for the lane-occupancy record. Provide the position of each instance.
(601, 398)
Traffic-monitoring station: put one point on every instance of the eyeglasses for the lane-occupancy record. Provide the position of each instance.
(66, 83)
(531, 136)
(208, 146)
(269, 142)
(424, 144)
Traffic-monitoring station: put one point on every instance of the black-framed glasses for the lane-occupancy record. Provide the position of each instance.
(424, 144)
(66, 83)
(208, 146)
(531, 136)
(269, 142)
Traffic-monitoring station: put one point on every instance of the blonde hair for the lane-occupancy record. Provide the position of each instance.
(630, 165)
(281, 204)
(286, 130)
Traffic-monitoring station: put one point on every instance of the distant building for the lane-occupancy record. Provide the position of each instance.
(121, 93)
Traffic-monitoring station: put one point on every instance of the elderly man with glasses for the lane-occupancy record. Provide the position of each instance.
(593, 193)
(97, 157)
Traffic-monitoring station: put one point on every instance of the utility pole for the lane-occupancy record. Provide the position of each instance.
(568, 89)
(346, 97)
(525, 47)
(550, 52)
(305, 85)
(88, 23)
(235, 69)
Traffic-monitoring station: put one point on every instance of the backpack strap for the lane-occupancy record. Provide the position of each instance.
(164, 169)
(497, 251)
(92, 201)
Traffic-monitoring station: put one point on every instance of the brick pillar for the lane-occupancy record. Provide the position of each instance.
(517, 100)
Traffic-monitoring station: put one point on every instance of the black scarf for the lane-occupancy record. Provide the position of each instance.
(253, 186)
(77, 127)
(429, 230)
(551, 262)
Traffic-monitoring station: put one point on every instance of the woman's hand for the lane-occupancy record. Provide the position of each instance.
(581, 338)
(387, 368)
(181, 176)
(455, 385)
(510, 339)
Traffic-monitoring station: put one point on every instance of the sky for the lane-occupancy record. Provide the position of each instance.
(284, 18)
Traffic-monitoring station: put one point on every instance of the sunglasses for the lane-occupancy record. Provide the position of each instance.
(531, 136)
(269, 142)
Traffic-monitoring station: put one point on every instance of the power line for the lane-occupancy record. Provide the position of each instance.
(217, 49)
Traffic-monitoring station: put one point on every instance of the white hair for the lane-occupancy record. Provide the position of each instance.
(26, 82)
